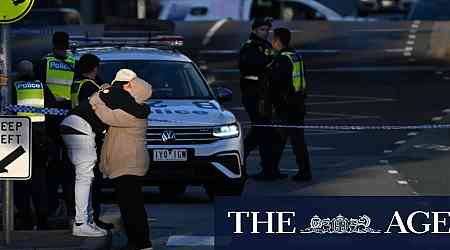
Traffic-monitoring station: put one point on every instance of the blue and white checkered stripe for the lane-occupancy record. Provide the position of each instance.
(29, 109)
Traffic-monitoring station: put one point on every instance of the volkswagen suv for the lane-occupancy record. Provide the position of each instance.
(191, 138)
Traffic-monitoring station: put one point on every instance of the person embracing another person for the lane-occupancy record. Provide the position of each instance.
(111, 106)
(124, 158)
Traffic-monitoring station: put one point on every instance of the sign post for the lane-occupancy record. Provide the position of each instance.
(15, 162)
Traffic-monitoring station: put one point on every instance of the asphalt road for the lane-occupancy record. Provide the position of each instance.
(359, 73)
(380, 73)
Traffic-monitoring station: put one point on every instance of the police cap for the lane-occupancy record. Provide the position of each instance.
(262, 21)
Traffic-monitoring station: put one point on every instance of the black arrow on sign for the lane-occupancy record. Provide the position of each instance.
(19, 151)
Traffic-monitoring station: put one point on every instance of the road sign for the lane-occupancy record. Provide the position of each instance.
(15, 148)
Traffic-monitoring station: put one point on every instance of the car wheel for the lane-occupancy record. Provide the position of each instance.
(172, 190)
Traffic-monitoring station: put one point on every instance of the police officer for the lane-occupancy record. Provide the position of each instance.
(28, 91)
(59, 68)
(288, 93)
(57, 72)
(255, 55)
(86, 84)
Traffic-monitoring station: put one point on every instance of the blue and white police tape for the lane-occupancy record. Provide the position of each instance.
(29, 109)
(64, 112)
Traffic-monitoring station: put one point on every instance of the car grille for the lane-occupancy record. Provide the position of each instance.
(188, 135)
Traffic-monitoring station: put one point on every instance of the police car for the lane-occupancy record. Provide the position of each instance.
(191, 138)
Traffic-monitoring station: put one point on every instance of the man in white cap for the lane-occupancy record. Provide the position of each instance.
(79, 130)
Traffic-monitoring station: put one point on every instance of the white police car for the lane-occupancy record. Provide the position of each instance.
(191, 139)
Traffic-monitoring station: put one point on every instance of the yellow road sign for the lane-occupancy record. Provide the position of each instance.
(13, 10)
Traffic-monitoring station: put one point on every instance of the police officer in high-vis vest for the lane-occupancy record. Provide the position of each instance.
(86, 84)
(288, 93)
(57, 72)
(59, 68)
(255, 54)
(28, 91)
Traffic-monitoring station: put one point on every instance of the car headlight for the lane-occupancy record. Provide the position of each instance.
(226, 131)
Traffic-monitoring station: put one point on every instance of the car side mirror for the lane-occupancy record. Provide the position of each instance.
(223, 94)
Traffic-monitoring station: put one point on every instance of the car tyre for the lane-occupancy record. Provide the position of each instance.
(227, 188)
(170, 191)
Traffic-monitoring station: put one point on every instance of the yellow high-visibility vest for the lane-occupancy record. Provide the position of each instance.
(30, 93)
(59, 75)
(298, 75)
(76, 87)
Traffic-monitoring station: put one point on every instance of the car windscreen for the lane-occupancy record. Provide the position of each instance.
(170, 80)
(431, 10)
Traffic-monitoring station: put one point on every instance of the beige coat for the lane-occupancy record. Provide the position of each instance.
(124, 151)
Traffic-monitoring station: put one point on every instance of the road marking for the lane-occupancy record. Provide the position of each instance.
(400, 142)
(394, 50)
(412, 36)
(414, 31)
(331, 133)
(384, 162)
(392, 171)
(190, 241)
(436, 119)
(417, 22)
(380, 30)
(413, 134)
(401, 182)
(411, 42)
(212, 31)
(407, 54)
(387, 151)
(446, 111)
(409, 49)
(415, 26)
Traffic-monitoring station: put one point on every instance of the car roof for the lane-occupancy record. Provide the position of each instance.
(133, 53)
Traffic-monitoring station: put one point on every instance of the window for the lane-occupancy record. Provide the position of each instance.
(284, 10)
(299, 11)
(170, 80)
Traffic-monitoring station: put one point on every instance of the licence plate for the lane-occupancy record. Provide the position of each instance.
(170, 155)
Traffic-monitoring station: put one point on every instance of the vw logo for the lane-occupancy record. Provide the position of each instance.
(168, 136)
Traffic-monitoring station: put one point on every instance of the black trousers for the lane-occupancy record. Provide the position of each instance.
(258, 136)
(132, 210)
(35, 189)
(97, 183)
(297, 137)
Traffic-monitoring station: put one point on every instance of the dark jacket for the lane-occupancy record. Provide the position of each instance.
(115, 98)
(254, 56)
(282, 93)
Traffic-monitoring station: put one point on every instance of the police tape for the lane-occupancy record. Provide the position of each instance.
(64, 112)
(29, 109)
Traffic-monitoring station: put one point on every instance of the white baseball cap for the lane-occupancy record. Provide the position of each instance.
(124, 75)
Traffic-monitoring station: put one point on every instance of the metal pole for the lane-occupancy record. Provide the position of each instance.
(5, 68)
(8, 210)
(141, 9)
(8, 202)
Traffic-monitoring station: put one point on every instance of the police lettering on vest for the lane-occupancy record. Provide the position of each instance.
(59, 75)
(30, 93)
(298, 76)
